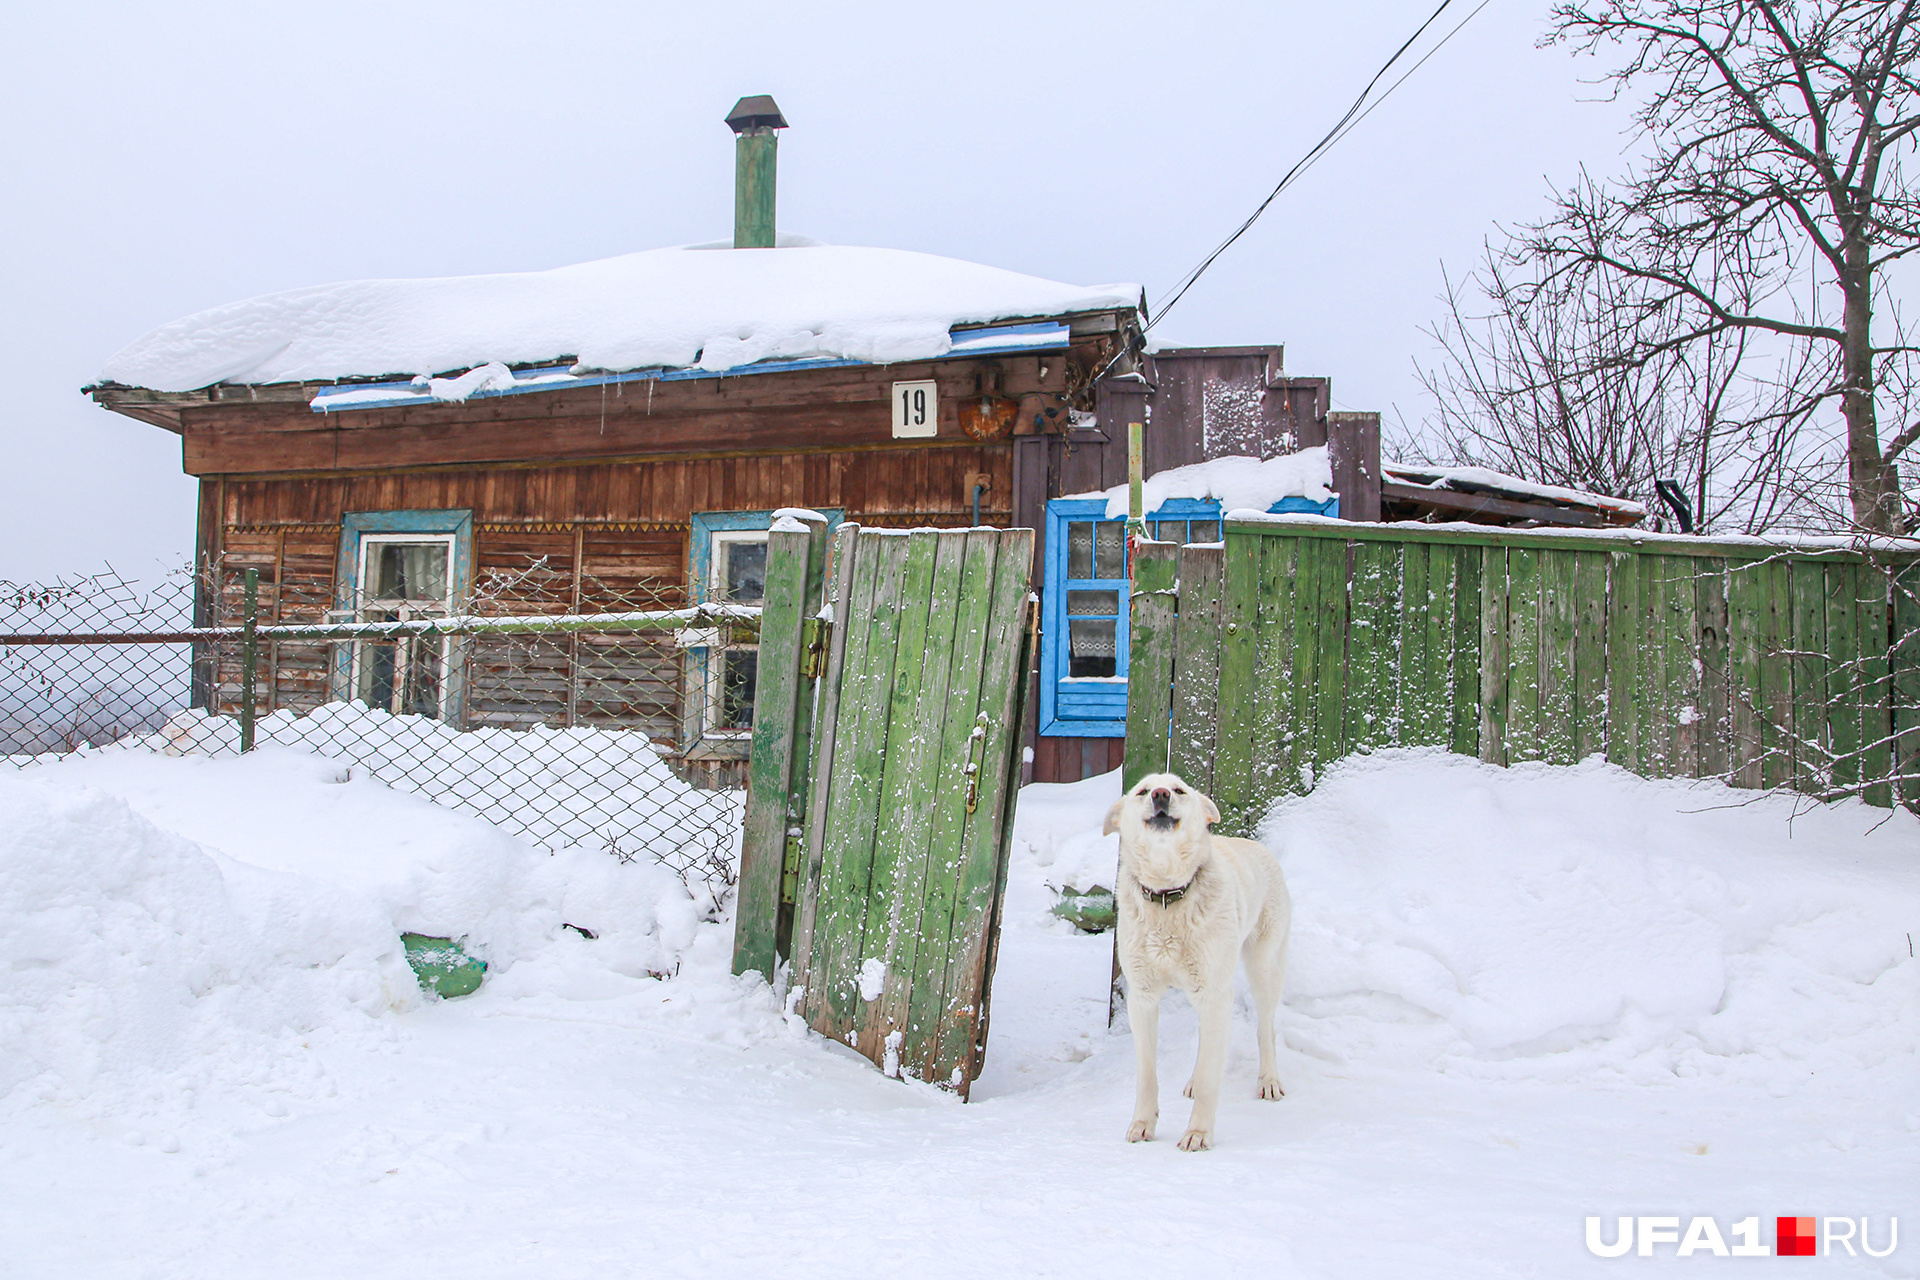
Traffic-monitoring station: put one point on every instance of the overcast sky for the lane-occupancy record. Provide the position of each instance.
(162, 159)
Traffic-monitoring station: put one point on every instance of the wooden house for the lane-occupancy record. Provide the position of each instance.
(618, 435)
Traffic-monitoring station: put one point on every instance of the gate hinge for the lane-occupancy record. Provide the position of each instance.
(790, 869)
(813, 637)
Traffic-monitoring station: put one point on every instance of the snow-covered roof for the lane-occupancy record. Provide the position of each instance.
(1481, 479)
(691, 306)
(1232, 481)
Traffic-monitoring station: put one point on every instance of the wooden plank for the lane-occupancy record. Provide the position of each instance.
(1714, 655)
(920, 1048)
(1624, 659)
(826, 718)
(1335, 569)
(895, 872)
(1558, 711)
(1590, 654)
(1420, 693)
(1746, 703)
(1494, 664)
(1684, 665)
(1234, 791)
(1627, 540)
(777, 705)
(1872, 585)
(1373, 618)
(1196, 673)
(1845, 670)
(1903, 663)
(1308, 618)
(1468, 568)
(1151, 638)
(984, 839)
(1275, 732)
(1776, 673)
(1812, 751)
(1525, 605)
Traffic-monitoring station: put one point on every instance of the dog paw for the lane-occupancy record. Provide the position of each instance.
(1140, 1131)
(1196, 1140)
(1270, 1088)
(1188, 1091)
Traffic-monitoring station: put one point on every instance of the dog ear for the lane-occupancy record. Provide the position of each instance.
(1113, 817)
(1211, 809)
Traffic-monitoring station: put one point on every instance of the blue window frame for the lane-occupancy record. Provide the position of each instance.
(395, 565)
(722, 678)
(1084, 636)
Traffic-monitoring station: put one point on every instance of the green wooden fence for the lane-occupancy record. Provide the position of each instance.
(1256, 665)
(880, 796)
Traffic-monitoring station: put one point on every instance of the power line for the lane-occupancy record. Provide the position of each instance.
(1345, 125)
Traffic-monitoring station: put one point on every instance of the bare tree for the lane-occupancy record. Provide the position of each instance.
(1776, 194)
(1538, 376)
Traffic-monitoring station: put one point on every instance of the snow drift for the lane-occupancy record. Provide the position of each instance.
(1552, 922)
(679, 307)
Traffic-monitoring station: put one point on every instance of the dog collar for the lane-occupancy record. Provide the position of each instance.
(1167, 897)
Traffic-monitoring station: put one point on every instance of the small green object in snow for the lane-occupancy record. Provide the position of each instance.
(1090, 912)
(442, 966)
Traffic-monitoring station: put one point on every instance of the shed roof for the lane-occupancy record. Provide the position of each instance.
(691, 306)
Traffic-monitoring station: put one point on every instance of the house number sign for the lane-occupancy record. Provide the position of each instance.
(915, 408)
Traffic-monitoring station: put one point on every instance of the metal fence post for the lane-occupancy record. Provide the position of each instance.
(249, 656)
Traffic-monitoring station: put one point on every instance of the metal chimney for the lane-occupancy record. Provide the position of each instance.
(755, 158)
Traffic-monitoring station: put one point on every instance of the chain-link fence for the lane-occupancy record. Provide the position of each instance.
(624, 724)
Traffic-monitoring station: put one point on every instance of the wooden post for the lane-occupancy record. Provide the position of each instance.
(1353, 452)
(249, 655)
(781, 715)
(1136, 462)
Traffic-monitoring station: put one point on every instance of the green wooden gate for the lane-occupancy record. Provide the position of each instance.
(880, 796)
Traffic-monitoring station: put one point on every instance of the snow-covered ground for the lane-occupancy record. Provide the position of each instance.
(1518, 999)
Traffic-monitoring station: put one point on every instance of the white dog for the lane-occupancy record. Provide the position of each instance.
(1188, 901)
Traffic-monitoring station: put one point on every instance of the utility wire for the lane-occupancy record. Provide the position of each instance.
(1345, 125)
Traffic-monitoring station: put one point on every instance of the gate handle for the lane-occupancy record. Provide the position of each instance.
(976, 748)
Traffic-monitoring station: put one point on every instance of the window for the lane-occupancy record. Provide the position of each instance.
(403, 579)
(729, 566)
(1083, 647)
(401, 566)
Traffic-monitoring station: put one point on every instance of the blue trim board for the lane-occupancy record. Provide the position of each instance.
(1004, 340)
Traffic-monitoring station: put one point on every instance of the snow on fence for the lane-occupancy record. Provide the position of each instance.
(1258, 662)
(559, 728)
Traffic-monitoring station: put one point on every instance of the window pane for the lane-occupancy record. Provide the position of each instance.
(1090, 648)
(743, 578)
(402, 676)
(1105, 603)
(1079, 549)
(1205, 531)
(1109, 550)
(739, 681)
(407, 571)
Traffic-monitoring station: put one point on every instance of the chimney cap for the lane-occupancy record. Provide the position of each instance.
(757, 112)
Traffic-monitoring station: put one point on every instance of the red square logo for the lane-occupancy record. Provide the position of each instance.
(1793, 1238)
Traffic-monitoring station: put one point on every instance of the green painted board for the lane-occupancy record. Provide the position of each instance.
(1334, 570)
(1873, 584)
(1373, 627)
(1746, 702)
(1844, 676)
(1590, 654)
(1715, 657)
(1239, 612)
(1468, 566)
(1196, 676)
(1275, 745)
(1494, 664)
(1812, 756)
(1558, 723)
(1151, 641)
(778, 708)
(1623, 665)
(1304, 696)
(1903, 663)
